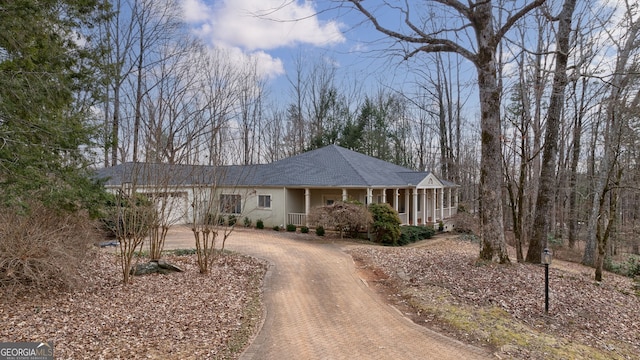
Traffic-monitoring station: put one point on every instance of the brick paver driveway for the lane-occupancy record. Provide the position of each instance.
(318, 308)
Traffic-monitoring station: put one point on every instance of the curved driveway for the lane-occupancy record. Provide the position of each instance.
(318, 308)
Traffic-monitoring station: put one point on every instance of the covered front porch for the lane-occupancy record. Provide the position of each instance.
(416, 205)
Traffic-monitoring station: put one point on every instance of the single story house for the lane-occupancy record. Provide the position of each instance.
(285, 191)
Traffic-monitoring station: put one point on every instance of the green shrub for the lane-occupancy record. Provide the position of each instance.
(411, 234)
(291, 228)
(630, 267)
(386, 224)
(260, 224)
(304, 229)
(183, 252)
(247, 222)
(320, 231)
(126, 216)
(232, 220)
(276, 228)
(440, 226)
(633, 268)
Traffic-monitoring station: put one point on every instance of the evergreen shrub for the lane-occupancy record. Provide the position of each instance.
(386, 224)
(410, 234)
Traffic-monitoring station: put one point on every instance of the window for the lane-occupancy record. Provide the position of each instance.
(264, 201)
(230, 204)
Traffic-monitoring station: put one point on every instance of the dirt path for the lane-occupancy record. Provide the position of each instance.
(318, 308)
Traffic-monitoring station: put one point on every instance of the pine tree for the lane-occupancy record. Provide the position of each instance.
(47, 72)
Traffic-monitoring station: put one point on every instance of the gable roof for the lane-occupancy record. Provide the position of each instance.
(330, 166)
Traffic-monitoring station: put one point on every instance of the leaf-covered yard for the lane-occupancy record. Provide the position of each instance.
(441, 285)
(178, 316)
(437, 283)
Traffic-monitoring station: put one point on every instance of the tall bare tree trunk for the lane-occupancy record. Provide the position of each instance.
(612, 138)
(546, 191)
(493, 246)
(573, 168)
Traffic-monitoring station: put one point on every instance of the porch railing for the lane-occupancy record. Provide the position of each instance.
(403, 218)
(297, 219)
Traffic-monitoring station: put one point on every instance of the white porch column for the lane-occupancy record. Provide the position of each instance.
(425, 212)
(345, 196)
(384, 196)
(456, 199)
(414, 214)
(435, 205)
(407, 209)
(442, 204)
(369, 196)
(396, 199)
(449, 202)
(307, 205)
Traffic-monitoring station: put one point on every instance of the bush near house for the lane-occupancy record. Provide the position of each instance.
(304, 229)
(346, 217)
(247, 222)
(410, 234)
(386, 224)
(260, 224)
(320, 231)
(291, 228)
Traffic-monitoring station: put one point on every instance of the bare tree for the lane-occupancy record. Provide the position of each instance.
(546, 191)
(295, 131)
(250, 112)
(584, 95)
(602, 217)
(170, 110)
(119, 36)
(216, 210)
(156, 24)
(130, 221)
(477, 21)
(273, 136)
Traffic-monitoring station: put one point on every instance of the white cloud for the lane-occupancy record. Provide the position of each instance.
(195, 11)
(266, 65)
(261, 24)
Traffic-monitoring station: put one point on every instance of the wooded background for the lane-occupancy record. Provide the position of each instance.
(96, 83)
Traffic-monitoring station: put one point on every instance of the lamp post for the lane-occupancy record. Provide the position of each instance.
(546, 261)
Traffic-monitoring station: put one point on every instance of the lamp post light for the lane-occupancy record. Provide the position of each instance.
(546, 261)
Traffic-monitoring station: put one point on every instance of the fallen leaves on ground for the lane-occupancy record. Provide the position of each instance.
(176, 316)
(605, 315)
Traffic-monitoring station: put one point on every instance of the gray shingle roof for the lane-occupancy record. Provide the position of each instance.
(329, 166)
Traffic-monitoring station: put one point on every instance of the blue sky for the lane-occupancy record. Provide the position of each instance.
(277, 32)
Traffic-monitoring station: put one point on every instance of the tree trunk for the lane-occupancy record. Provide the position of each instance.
(573, 170)
(613, 135)
(546, 190)
(138, 104)
(493, 244)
